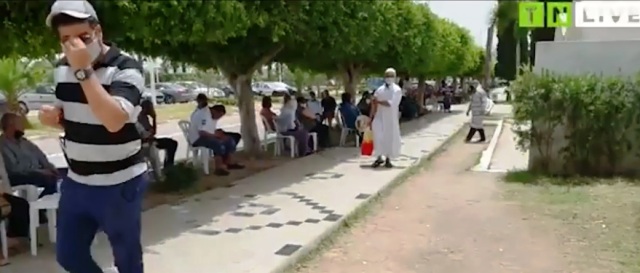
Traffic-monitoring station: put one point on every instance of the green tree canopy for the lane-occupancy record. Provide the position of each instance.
(238, 37)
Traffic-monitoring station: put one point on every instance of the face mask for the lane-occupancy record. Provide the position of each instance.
(94, 49)
(18, 134)
(389, 80)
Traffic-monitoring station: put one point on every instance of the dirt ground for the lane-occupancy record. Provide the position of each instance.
(446, 219)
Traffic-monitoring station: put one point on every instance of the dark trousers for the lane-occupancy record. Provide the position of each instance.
(235, 136)
(116, 210)
(170, 146)
(18, 217)
(219, 147)
(47, 183)
(472, 132)
(322, 130)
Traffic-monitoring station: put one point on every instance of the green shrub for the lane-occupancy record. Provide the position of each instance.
(594, 119)
(180, 177)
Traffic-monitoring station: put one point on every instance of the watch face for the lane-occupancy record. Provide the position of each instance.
(80, 75)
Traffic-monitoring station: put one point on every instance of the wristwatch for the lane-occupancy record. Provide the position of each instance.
(83, 74)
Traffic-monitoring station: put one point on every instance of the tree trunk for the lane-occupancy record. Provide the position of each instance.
(248, 126)
(517, 57)
(422, 89)
(270, 72)
(350, 79)
(487, 57)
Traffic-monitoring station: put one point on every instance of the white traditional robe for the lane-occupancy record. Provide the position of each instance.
(478, 108)
(386, 122)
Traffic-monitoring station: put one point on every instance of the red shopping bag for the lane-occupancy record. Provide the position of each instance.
(366, 148)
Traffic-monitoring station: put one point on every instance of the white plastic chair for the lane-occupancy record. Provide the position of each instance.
(152, 157)
(314, 139)
(197, 154)
(3, 239)
(279, 138)
(345, 131)
(50, 204)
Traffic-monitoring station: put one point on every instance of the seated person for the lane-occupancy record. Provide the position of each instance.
(148, 131)
(25, 163)
(310, 123)
(285, 123)
(364, 105)
(218, 111)
(315, 106)
(408, 107)
(16, 211)
(203, 133)
(348, 111)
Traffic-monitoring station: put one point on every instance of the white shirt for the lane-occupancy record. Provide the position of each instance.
(200, 121)
(315, 107)
(287, 119)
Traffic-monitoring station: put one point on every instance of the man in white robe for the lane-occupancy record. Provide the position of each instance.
(385, 122)
(478, 110)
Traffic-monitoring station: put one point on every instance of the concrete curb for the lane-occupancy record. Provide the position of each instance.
(487, 154)
(301, 255)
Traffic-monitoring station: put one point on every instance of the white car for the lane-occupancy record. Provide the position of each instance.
(34, 99)
(147, 94)
(272, 88)
(200, 88)
(499, 94)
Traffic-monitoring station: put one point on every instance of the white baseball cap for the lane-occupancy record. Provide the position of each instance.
(80, 9)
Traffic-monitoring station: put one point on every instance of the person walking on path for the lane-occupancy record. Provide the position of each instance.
(477, 108)
(98, 94)
(385, 122)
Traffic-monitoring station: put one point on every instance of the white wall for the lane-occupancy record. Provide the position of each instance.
(578, 57)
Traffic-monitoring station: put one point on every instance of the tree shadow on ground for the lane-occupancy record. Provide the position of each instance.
(172, 215)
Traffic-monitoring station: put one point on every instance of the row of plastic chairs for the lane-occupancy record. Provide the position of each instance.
(202, 155)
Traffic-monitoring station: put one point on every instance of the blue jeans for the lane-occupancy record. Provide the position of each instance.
(116, 210)
(219, 147)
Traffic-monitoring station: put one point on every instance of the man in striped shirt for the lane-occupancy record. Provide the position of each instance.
(98, 96)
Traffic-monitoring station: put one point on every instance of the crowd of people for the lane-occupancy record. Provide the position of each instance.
(27, 164)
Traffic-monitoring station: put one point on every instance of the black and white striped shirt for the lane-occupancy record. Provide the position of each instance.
(96, 156)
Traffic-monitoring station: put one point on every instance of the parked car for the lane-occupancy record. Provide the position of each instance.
(175, 93)
(148, 94)
(228, 91)
(272, 88)
(33, 99)
(200, 88)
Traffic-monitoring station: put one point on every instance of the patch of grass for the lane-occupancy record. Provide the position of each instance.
(523, 177)
(164, 112)
(598, 220)
(367, 207)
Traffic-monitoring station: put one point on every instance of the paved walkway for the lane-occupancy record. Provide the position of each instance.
(266, 221)
(507, 157)
(445, 219)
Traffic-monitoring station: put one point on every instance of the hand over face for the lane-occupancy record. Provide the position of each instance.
(50, 115)
(77, 53)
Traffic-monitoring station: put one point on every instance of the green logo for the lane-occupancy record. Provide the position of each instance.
(532, 14)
